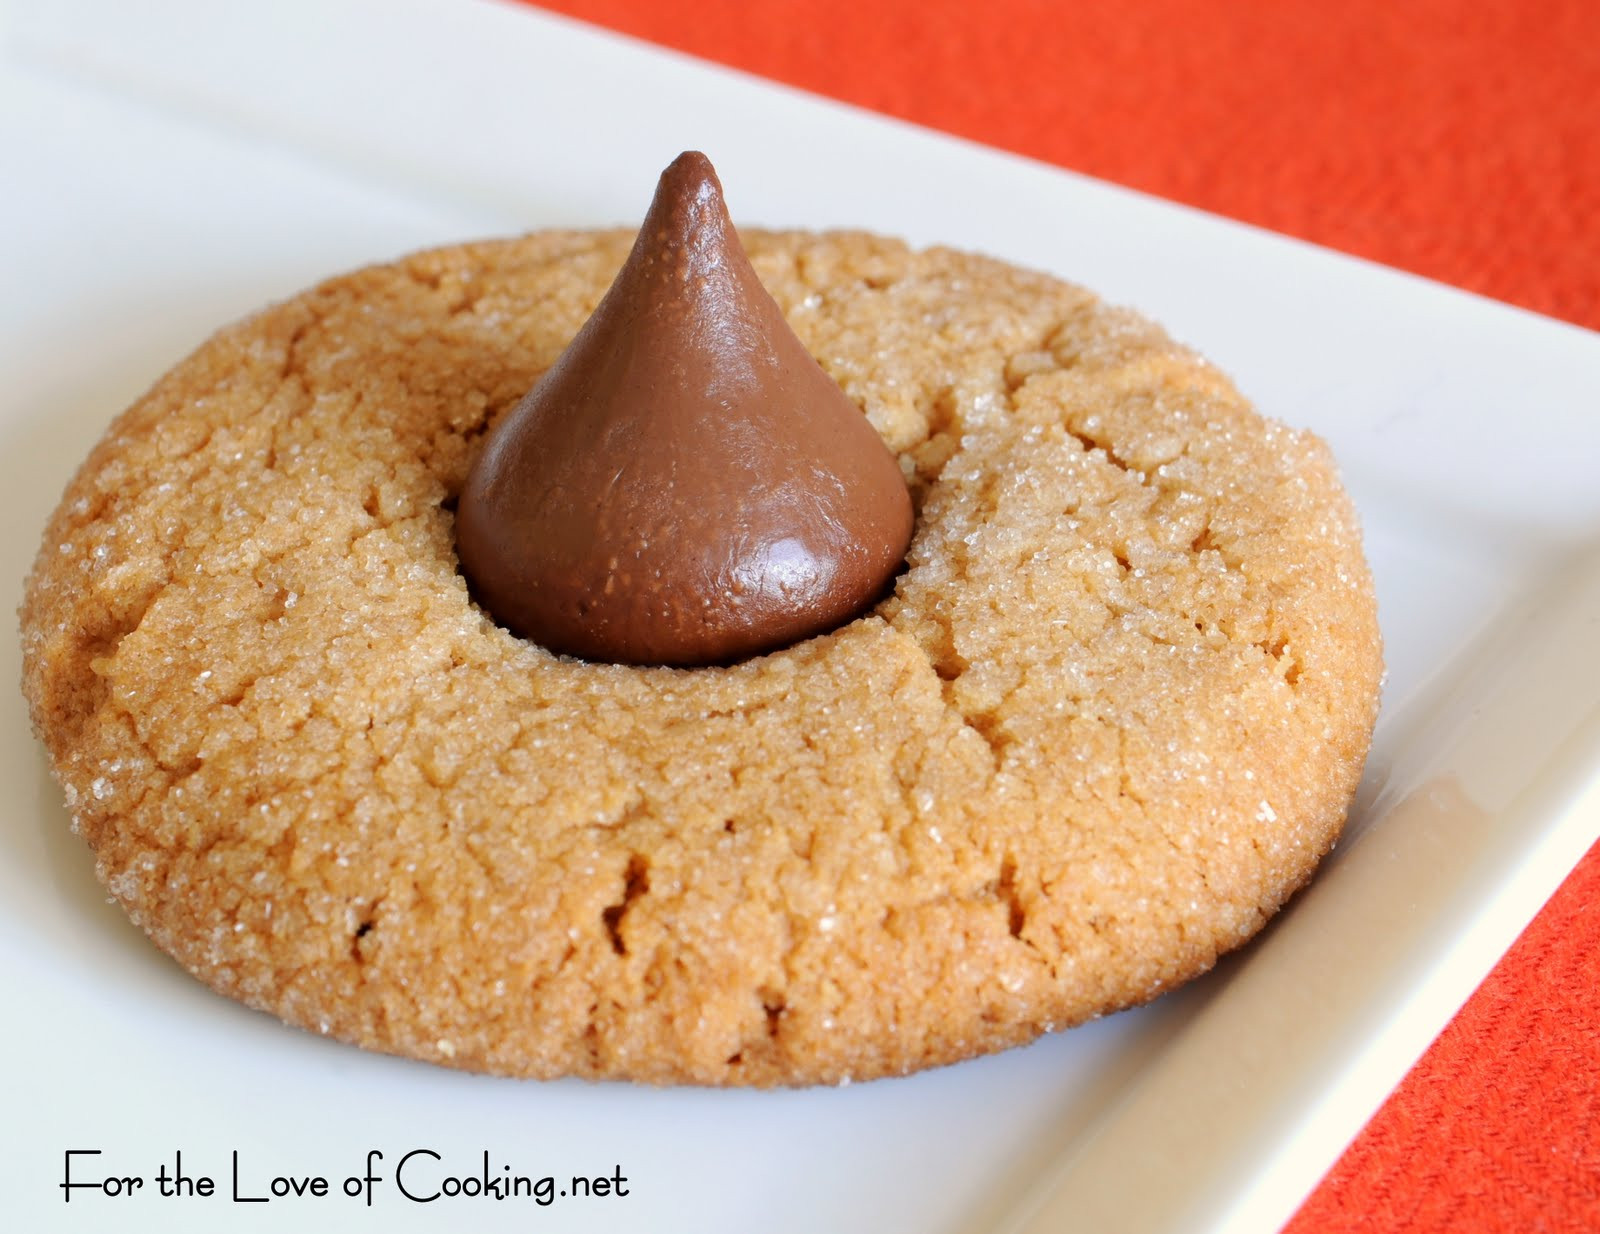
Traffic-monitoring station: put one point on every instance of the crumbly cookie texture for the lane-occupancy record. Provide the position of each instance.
(1109, 719)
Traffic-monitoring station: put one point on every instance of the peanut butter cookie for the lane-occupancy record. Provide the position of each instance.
(1109, 718)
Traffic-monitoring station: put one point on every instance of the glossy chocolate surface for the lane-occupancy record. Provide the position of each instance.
(685, 485)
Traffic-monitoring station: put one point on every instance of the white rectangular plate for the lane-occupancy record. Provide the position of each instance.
(171, 165)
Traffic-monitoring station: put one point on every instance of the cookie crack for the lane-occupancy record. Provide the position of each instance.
(461, 296)
(1276, 648)
(774, 1006)
(635, 883)
(1092, 444)
(360, 948)
(290, 368)
(619, 819)
(1025, 368)
(1039, 359)
(1125, 788)
(1005, 890)
(948, 665)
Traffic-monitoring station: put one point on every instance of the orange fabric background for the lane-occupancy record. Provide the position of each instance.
(1459, 139)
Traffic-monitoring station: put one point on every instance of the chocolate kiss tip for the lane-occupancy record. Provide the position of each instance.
(690, 164)
(685, 486)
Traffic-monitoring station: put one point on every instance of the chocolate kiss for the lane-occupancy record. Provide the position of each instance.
(686, 485)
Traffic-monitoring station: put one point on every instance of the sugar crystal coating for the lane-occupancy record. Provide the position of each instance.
(1106, 723)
